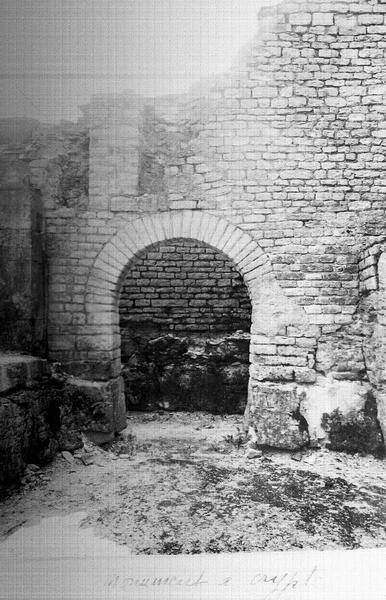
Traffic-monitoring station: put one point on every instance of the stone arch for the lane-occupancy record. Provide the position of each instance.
(103, 285)
(271, 309)
(217, 232)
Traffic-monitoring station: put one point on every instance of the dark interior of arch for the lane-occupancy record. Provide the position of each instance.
(185, 317)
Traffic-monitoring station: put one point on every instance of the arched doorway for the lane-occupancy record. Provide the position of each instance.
(185, 319)
(106, 278)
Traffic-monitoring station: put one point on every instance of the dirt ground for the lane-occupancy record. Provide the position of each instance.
(181, 483)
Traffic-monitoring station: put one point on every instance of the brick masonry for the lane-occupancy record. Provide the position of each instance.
(182, 286)
(278, 164)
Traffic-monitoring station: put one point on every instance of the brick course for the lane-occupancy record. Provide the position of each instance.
(186, 287)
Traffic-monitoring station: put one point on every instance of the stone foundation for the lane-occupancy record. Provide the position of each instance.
(189, 373)
(103, 404)
(290, 416)
(40, 415)
(29, 415)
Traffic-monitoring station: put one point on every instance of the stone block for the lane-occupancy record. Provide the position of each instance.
(304, 375)
(326, 396)
(264, 92)
(370, 19)
(263, 348)
(272, 373)
(106, 403)
(377, 90)
(104, 342)
(300, 19)
(323, 18)
(376, 29)
(336, 102)
(273, 414)
(183, 204)
(100, 368)
(124, 204)
(20, 371)
(346, 23)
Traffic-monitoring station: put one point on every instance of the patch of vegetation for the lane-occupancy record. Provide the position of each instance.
(127, 445)
(230, 442)
(303, 425)
(357, 432)
(237, 439)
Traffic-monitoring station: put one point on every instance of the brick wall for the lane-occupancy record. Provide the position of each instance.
(287, 149)
(183, 286)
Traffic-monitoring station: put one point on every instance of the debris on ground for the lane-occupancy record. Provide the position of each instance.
(253, 453)
(68, 456)
(171, 485)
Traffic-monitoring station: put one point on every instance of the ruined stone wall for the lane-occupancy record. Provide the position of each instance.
(297, 142)
(279, 164)
(58, 171)
(22, 243)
